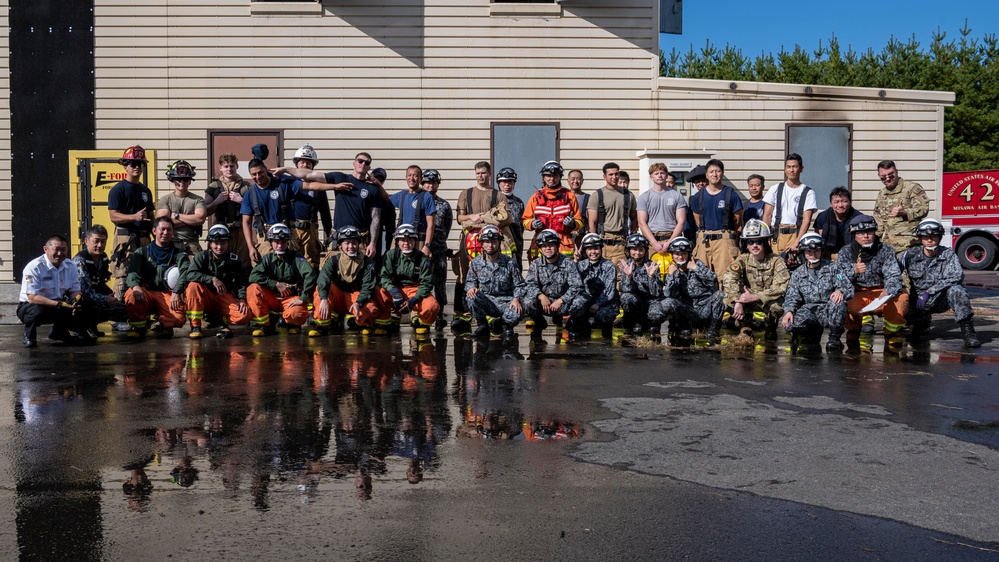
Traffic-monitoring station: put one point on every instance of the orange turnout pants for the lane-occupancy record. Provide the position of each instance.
(377, 310)
(427, 310)
(262, 301)
(156, 302)
(201, 298)
(893, 311)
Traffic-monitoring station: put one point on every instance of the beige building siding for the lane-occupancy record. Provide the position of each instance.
(364, 77)
(420, 81)
(6, 246)
(746, 129)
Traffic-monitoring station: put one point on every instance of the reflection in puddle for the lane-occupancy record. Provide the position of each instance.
(254, 424)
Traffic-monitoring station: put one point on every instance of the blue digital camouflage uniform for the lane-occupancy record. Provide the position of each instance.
(439, 250)
(600, 285)
(808, 295)
(693, 296)
(938, 276)
(94, 275)
(559, 280)
(498, 282)
(641, 295)
(516, 206)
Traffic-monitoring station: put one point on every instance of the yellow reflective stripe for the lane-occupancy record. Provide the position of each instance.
(892, 328)
(759, 316)
(262, 320)
(138, 323)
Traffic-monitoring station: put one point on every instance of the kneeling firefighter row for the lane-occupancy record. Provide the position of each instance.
(758, 291)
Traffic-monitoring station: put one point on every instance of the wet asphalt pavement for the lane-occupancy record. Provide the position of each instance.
(354, 448)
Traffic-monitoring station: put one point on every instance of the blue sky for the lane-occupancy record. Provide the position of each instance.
(764, 26)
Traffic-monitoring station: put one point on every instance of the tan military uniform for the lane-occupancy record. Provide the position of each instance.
(767, 279)
(897, 232)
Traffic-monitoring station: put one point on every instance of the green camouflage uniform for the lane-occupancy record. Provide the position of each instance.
(897, 232)
(766, 279)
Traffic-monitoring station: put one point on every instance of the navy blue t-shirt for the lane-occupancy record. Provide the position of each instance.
(270, 199)
(354, 207)
(752, 211)
(128, 198)
(712, 217)
(406, 203)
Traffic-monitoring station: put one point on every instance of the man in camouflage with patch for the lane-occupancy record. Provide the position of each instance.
(816, 297)
(937, 284)
(755, 283)
(599, 282)
(690, 291)
(899, 207)
(493, 288)
(554, 287)
(874, 272)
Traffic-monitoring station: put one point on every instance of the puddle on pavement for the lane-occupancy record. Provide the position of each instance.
(131, 430)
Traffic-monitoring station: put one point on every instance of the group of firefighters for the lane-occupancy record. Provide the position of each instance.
(264, 264)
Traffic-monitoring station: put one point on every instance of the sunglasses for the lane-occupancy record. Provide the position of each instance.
(364, 162)
(182, 180)
(134, 163)
(754, 242)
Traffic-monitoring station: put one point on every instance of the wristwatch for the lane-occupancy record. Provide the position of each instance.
(176, 216)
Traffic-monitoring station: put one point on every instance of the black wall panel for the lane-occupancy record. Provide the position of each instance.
(52, 112)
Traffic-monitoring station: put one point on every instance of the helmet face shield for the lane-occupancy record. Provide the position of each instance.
(636, 241)
(551, 168)
(930, 227)
(490, 232)
(406, 231)
(680, 244)
(279, 232)
(431, 175)
(811, 242)
(219, 232)
(506, 174)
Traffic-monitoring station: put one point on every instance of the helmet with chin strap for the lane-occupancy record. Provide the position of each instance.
(680, 244)
(930, 227)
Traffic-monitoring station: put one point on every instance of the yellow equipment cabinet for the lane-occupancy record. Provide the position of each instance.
(92, 174)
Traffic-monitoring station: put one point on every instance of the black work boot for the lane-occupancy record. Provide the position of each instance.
(834, 344)
(481, 331)
(918, 326)
(969, 335)
(461, 326)
(540, 323)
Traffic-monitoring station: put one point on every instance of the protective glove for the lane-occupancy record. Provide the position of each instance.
(537, 225)
(569, 223)
(408, 305)
(397, 297)
(923, 298)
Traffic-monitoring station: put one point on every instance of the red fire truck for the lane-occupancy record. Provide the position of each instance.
(969, 209)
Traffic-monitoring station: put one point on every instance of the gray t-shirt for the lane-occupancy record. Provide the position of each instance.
(661, 207)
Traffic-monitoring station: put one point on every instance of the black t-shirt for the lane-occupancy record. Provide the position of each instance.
(128, 198)
(353, 208)
(842, 235)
